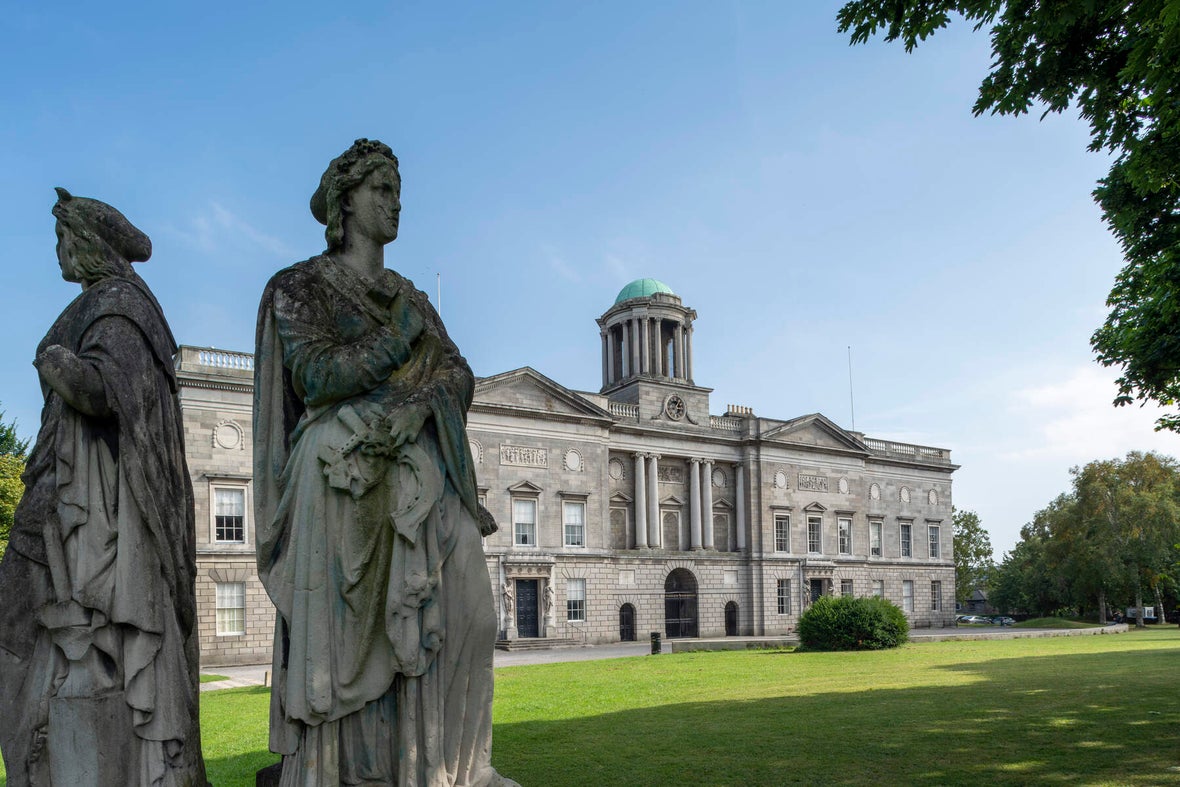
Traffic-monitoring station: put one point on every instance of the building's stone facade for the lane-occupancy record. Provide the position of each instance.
(689, 548)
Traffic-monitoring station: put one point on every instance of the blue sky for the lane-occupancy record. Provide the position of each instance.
(802, 195)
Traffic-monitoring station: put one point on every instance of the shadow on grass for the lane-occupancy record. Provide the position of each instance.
(1108, 717)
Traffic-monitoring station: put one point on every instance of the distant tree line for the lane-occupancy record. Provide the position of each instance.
(12, 465)
(1110, 541)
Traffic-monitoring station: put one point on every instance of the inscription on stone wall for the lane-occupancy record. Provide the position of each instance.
(521, 456)
(671, 474)
(813, 483)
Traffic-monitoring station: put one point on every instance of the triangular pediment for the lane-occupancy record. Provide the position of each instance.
(525, 488)
(814, 508)
(620, 497)
(529, 392)
(671, 500)
(814, 430)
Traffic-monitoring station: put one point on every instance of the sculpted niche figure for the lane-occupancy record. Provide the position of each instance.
(98, 648)
(368, 524)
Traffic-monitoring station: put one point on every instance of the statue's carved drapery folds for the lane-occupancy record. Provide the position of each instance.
(98, 648)
(368, 525)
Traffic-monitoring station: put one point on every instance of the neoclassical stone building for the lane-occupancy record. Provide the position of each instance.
(626, 511)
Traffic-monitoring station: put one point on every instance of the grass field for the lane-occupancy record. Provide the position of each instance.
(1073, 710)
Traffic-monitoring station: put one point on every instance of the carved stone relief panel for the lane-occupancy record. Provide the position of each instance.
(813, 483)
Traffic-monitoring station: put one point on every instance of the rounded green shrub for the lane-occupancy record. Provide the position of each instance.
(847, 623)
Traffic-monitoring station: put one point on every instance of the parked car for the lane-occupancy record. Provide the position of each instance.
(976, 619)
(1003, 620)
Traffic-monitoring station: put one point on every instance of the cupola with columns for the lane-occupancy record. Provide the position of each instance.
(647, 354)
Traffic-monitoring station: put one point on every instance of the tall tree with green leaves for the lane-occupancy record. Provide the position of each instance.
(973, 554)
(1119, 64)
(12, 465)
(1130, 508)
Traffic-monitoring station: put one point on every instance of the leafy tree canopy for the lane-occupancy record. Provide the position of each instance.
(10, 443)
(1119, 63)
(11, 490)
(973, 554)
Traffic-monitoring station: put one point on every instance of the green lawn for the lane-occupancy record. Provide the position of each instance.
(1076, 710)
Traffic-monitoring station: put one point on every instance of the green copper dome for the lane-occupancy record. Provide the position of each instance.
(642, 288)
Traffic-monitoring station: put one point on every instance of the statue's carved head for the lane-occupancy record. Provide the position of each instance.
(94, 240)
(345, 173)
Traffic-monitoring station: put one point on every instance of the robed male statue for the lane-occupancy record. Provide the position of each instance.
(98, 642)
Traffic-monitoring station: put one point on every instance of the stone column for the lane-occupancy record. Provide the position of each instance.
(654, 530)
(645, 344)
(605, 354)
(741, 506)
(688, 354)
(635, 348)
(707, 501)
(678, 352)
(640, 502)
(624, 351)
(694, 503)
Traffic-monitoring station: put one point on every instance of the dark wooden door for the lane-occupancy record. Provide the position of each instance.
(817, 589)
(626, 623)
(731, 619)
(527, 622)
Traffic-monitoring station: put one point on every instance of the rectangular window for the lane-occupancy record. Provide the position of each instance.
(574, 523)
(524, 523)
(935, 539)
(936, 597)
(875, 539)
(879, 588)
(784, 597)
(575, 600)
(846, 587)
(815, 541)
(231, 608)
(229, 515)
(907, 539)
(782, 532)
(844, 526)
(907, 595)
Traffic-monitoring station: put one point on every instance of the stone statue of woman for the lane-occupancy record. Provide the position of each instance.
(98, 647)
(368, 525)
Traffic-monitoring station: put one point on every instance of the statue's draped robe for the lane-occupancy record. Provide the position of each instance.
(110, 494)
(383, 644)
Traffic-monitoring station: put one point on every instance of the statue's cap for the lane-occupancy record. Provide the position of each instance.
(338, 170)
(90, 215)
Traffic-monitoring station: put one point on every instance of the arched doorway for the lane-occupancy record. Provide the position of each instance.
(680, 604)
(731, 619)
(626, 623)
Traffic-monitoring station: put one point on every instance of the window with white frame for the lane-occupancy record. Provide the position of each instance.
(573, 522)
(935, 541)
(844, 531)
(524, 522)
(815, 541)
(231, 608)
(784, 597)
(879, 588)
(936, 596)
(875, 538)
(906, 530)
(575, 600)
(846, 587)
(907, 595)
(229, 514)
(782, 532)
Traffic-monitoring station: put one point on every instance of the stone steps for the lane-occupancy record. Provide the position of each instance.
(535, 643)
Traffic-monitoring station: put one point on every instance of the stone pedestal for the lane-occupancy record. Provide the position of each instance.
(88, 740)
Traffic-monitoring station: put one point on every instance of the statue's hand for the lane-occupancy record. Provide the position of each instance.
(406, 319)
(406, 422)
